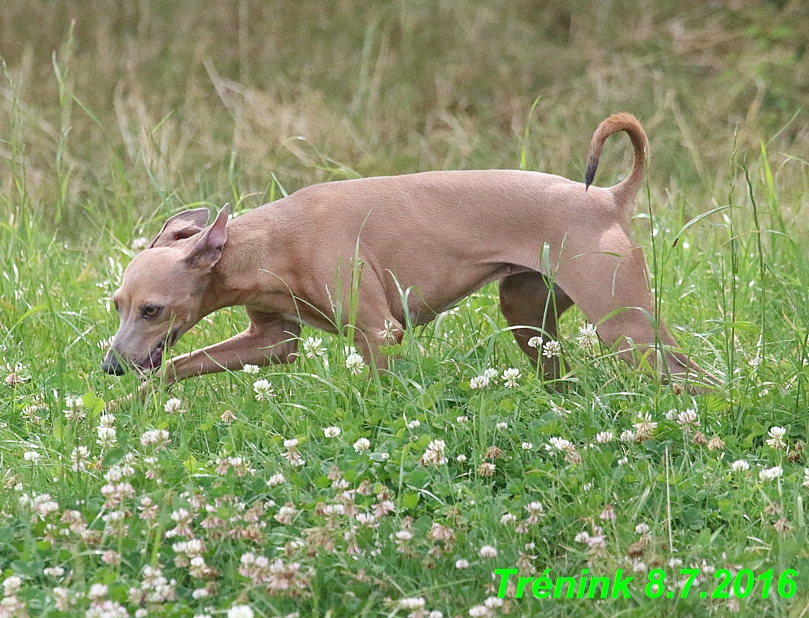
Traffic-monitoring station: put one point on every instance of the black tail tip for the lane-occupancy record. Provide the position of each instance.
(590, 174)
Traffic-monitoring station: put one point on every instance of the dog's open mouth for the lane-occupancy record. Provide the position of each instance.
(155, 358)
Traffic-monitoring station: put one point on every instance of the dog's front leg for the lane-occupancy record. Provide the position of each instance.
(269, 338)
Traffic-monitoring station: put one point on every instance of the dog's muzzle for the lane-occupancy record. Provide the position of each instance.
(112, 365)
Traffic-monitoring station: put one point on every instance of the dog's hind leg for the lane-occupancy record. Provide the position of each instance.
(531, 310)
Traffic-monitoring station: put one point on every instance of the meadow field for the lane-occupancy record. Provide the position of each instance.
(459, 483)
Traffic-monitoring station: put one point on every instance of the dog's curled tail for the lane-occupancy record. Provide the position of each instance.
(626, 189)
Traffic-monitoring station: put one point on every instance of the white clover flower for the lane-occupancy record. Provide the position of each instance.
(740, 465)
(770, 474)
(597, 540)
(72, 402)
(241, 611)
(462, 419)
(250, 370)
(228, 416)
(604, 437)
(412, 603)
(114, 475)
(806, 477)
(31, 456)
(587, 337)
(644, 421)
(776, 439)
(43, 505)
(331, 432)
(461, 458)
(79, 458)
(627, 435)
(263, 390)
(55, 572)
(687, 418)
(174, 406)
(108, 609)
(355, 364)
(479, 382)
(276, 479)
(74, 409)
(535, 342)
(526, 446)
(97, 592)
(490, 373)
(388, 334)
(107, 420)
(106, 437)
(642, 528)
(403, 535)
(552, 349)
(334, 509)
(557, 444)
(487, 551)
(362, 445)
(367, 519)
(536, 509)
(434, 455)
(461, 564)
(608, 512)
(313, 347)
(414, 424)
(12, 585)
(510, 377)
(502, 425)
(158, 438)
(714, 444)
(507, 519)
(139, 243)
(486, 469)
(111, 557)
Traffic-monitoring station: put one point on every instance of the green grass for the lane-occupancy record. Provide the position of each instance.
(91, 162)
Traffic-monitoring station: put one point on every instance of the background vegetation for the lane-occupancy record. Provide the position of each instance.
(115, 115)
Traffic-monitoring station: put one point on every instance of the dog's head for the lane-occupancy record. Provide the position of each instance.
(162, 294)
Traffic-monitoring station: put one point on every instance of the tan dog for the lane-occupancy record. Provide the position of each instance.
(438, 235)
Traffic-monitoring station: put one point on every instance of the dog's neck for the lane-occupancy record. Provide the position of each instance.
(242, 270)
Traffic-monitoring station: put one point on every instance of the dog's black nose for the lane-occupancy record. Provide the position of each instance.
(112, 365)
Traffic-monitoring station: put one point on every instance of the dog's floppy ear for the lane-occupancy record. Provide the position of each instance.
(180, 226)
(208, 249)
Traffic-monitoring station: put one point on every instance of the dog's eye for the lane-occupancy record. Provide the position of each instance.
(151, 311)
